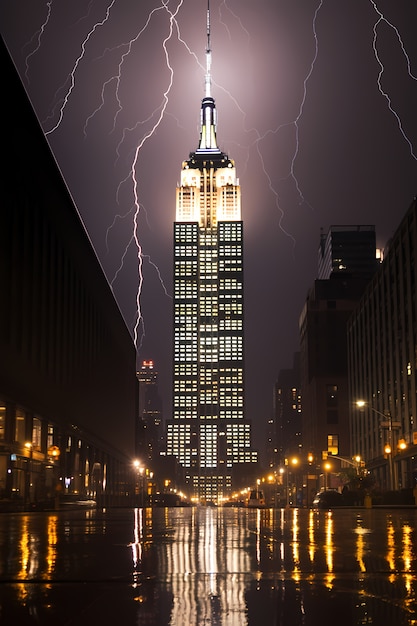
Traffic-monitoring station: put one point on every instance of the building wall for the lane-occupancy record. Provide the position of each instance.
(382, 336)
(324, 365)
(68, 361)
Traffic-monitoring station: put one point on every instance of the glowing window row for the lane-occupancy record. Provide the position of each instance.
(231, 402)
(231, 343)
(208, 309)
(231, 415)
(185, 269)
(182, 414)
(185, 386)
(208, 328)
(231, 325)
(230, 283)
(230, 251)
(185, 401)
(231, 380)
(185, 251)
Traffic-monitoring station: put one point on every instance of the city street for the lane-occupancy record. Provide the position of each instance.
(209, 566)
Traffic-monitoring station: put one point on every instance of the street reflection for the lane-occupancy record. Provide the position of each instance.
(214, 563)
(210, 566)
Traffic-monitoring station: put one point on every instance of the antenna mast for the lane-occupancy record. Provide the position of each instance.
(208, 54)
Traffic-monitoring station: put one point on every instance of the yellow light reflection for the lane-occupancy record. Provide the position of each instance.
(406, 548)
(390, 545)
(52, 541)
(311, 536)
(407, 557)
(295, 545)
(360, 550)
(329, 548)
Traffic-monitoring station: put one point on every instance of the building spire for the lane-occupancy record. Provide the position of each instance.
(208, 141)
(208, 54)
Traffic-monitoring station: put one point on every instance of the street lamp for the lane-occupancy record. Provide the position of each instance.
(391, 425)
(356, 461)
(288, 462)
(327, 468)
(29, 447)
(139, 488)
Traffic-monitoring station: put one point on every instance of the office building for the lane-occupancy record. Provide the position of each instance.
(348, 250)
(149, 437)
(68, 389)
(323, 343)
(209, 434)
(285, 433)
(382, 342)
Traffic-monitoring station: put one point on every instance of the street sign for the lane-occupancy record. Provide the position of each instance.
(390, 424)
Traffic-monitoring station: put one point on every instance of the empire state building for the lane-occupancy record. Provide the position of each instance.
(208, 433)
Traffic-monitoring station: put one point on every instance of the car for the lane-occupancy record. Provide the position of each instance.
(327, 499)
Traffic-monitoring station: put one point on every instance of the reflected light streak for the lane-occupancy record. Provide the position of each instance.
(406, 546)
(52, 541)
(312, 547)
(329, 548)
(391, 546)
(258, 537)
(409, 574)
(136, 545)
(203, 563)
(360, 549)
(295, 545)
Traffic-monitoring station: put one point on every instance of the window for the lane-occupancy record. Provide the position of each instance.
(36, 433)
(333, 444)
(2, 419)
(19, 432)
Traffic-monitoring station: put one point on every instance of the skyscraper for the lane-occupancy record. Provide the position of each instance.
(209, 434)
(149, 430)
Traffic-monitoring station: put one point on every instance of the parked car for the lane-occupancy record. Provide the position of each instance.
(328, 499)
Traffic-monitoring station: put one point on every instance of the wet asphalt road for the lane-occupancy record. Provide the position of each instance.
(209, 566)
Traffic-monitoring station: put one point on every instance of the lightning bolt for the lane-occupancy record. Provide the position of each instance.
(259, 137)
(172, 21)
(256, 137)
(382, 18)
(117, 77)
(39, 34)
(76, 64)
(132, 176)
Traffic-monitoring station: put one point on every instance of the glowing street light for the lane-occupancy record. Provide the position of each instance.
(391, 425)
(29, 467)
(327, 468)
(139, 487)
(290, 462)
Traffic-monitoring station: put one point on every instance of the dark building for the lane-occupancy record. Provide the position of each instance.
(68, 387)
(323, 342)
(286, 431)
(382, 341)
(347, 249)
(149, 433)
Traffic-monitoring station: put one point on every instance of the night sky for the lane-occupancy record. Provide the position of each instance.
(303, 91)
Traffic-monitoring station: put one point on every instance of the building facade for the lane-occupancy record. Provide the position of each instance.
(348, 249)
(323, 345)
(68, 390)
(382, 342)
(209, 434)
(286, 428)
(149, 436)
